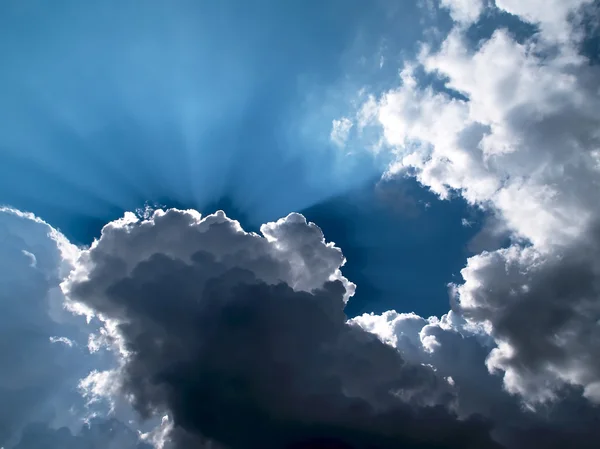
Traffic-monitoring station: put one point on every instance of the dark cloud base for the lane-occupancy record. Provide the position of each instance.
(250, 364)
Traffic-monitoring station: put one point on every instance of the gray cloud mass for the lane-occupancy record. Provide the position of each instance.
(224, 334)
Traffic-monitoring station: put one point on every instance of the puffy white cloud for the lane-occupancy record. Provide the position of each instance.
(290, 250)
(554, 17)
(516, 143)
(464, 11)
(43, 346)
(454, 349)
(515, 131)
(33, 259)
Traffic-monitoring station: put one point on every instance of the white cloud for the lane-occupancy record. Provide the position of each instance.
(62, 340)
(340, 131)
(32, 263)
(553, 16)
(44, 346)
(464, 11)
(521, 140)
(291, 240)
(31, 256)
(455, 349)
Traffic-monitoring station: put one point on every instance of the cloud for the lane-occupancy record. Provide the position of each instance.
(464, 11)
(458, 352)
(241, 339)
(229, 339)
(33, 259)
(340, 131)
(515, 131)
(43, 348)
(543, 311)
(521, 137)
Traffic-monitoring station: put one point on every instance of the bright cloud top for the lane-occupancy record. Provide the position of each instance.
(242, 339)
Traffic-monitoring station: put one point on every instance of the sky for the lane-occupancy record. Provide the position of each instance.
(317, 224)
(216, 106)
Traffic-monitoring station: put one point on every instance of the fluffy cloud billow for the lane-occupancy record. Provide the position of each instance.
(515, 132)
(241, 340)
(44, 349)
(32, 264)
(222, 338)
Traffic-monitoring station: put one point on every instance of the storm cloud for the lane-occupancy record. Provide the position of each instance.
(242, 339)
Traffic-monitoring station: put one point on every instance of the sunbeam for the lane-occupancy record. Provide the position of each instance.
(328, 224)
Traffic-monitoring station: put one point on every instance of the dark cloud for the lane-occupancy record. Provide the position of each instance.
(459, 352)
(242, 340)
(544, 314)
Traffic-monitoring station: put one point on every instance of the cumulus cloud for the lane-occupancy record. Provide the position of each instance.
(241, 339)
(33, 260)
(43, 346)
(458, 351)
(464, 11)
(228, 339)
(554, 17)
(524, 140)
(515, 131)
(543, 311)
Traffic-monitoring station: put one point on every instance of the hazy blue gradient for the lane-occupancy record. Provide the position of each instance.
(109, 105)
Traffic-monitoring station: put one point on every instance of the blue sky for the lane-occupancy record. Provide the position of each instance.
(107, 107)
(448, 151)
